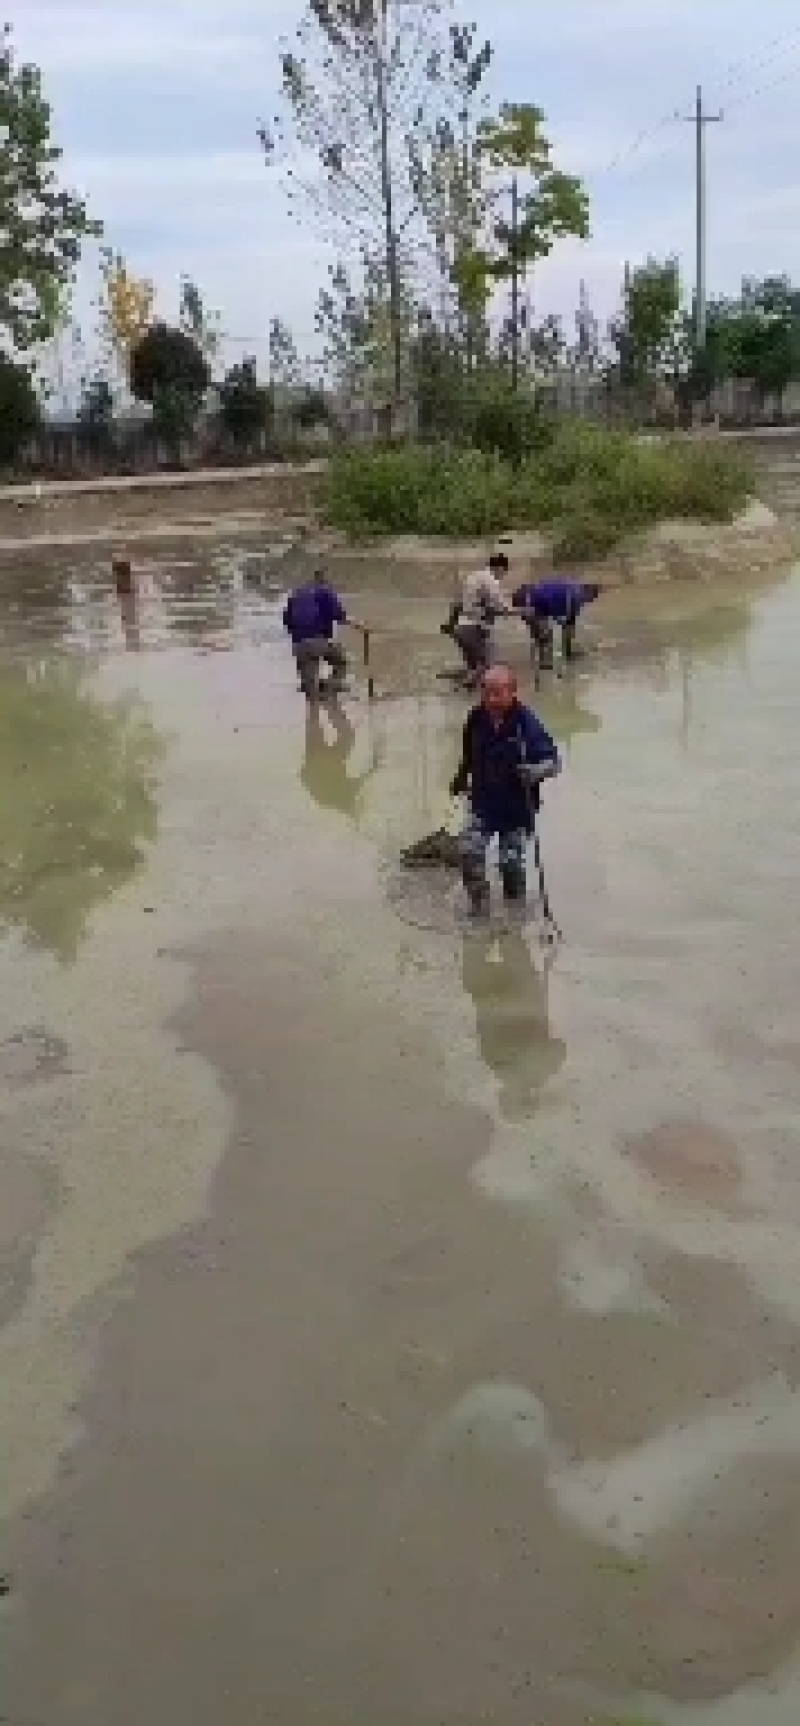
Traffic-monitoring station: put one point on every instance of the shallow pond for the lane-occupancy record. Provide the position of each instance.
(397, 1322)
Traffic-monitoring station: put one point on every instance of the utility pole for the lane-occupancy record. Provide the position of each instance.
(700, 119)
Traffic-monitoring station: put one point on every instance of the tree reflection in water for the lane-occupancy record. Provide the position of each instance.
(78, 781)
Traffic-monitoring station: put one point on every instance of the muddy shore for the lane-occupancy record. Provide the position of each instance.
(258, 510)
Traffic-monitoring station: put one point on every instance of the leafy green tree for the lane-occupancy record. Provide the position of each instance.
(245, 406)
(312, 409)
(20, 410)
(650, 334)
(530, 205)
(167, 358)
(171, 372)
(756, 338)
(506, 420)
(41, 227)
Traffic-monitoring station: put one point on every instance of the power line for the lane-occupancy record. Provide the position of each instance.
(736, 70)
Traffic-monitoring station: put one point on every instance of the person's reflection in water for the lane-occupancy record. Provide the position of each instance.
(129, 614)
(125, 588)
(324, 772)
(511, 1016)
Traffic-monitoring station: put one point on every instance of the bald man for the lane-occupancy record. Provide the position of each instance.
(506, 753)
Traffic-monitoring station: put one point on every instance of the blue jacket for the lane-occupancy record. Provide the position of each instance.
(491, 758)
(312, 612)
(557, 601)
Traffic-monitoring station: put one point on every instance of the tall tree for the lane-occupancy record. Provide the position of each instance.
(245, 407)
(357, 82)
(20, 410)
(530, 204)
(170, 371)
(446, 171)
(585, 355)
(650, 333)
(285, 368)
(197, 321)
(342, 321)
(42, 227)
(125, 309)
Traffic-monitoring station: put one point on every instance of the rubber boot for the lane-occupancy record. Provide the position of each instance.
(476, 888)
(544, 646)
(479, 898)
(569, 645)
(515, 885)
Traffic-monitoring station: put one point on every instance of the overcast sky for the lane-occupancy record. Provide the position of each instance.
(156, 104)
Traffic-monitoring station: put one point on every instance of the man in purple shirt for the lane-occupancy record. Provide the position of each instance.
(556, 601)
(311, 616)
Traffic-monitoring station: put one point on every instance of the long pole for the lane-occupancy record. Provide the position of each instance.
(700, 119)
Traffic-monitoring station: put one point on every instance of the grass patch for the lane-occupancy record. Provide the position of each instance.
(587, 487)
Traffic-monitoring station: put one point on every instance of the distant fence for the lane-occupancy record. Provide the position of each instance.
(64, 450)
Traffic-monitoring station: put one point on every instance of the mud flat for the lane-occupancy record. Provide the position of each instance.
(755, 546)
(164, 514)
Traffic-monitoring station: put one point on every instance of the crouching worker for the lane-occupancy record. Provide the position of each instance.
(506, 753)
(311, 616)
(481, 601)
(547, 603)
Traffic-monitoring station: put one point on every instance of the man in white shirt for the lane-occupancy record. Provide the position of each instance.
(481, 601)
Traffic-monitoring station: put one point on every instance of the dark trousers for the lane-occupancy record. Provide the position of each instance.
(474, 641)
(310, 656)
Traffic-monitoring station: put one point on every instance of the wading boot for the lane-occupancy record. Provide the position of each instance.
(515, 886)
(479, 899)
(544, 646)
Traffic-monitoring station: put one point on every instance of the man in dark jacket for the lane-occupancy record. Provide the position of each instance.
(311, 616)
(545, 603)
(506, 753)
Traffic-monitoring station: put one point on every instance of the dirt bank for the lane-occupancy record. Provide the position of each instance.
(163, 514)
(758, 544)
(239, 503)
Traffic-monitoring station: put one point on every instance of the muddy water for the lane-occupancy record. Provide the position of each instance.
(395, 1324)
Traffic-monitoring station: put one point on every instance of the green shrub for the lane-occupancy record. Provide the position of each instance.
(508, 423)
(588, 487)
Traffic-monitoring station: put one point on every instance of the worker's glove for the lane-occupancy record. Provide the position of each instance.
(534, 772)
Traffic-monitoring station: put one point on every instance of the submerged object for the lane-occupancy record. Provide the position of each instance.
(438, 850)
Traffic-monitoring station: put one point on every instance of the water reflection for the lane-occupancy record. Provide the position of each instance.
(78, 792)
(570, 715)
(201, 602)
(129, 618)
(510, 996)
(329, 744)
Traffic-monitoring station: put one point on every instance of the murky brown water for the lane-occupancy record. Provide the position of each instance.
(394, 1326)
